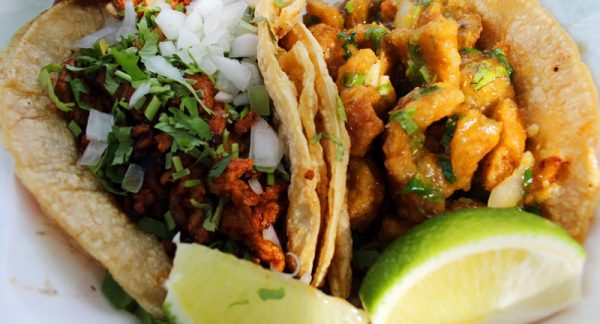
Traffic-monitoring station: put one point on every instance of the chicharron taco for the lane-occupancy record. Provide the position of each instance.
(132, 132)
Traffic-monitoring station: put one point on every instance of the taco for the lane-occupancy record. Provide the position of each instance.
(133, 132)
(453, 104)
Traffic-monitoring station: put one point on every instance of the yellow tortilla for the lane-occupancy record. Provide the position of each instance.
(303, 215)
(555, 91)
(46, 158)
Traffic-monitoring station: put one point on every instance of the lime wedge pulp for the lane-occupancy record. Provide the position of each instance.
(208, 286)
(475, 265)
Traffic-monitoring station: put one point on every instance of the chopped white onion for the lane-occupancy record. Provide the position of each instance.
(255, 185)
(167, 48)
(128, 26)
(269, 234)
(244, 46)
(139, 93)
(161, 66)
(194, 22)
(306, 278)
(93, 152)
(510, 191)
(234, 71)
(198, 52)
(215, 50)
(99, 125)
(231, 14)
(187, 39)
(207, 66)
(241, 99)
(89, 40)
(266, 149)
(213, 36)
(255, 78)
(185, 56)
(207, 8)
(170, 21)
(223, 96)
(373, 75)
(133, 178)
(177, 238)
(224, 84)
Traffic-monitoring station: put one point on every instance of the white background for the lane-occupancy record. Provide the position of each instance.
(42, 280)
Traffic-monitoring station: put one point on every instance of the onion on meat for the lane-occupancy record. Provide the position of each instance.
(266, 148)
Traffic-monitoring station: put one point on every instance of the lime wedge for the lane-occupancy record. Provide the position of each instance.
(475, 265)
(208, 286)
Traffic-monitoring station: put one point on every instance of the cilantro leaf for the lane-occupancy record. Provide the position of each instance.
(340, 109)
(219, 167)
(211, 223)
(348, 41)
(129, 64)
(404, 118)
(125, 148)
(449, 132)
(46, 85)
(274, 294)
(341, 150)
(447, 169)
(375, 34)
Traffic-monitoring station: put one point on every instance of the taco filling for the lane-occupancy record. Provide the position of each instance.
(179, 127)
(432, 116)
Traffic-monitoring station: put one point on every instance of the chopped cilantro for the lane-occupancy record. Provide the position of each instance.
(78, 88)
(46, 85)
(423, 3)
(416, 186)
(181, 173)
(348, 41)
(447, 169)
(150, 45)
(352, 79)
(384, 89)
(501, 57)
(279, 3)
(468, 50)
(417, 72)
(219, 167)
(125, 148)
(274, 294)
(211, 223)
(153, 226)
(486, 74)
(129, 63)
(449, 132)
(375, 34)
(404, 118)
(115, 294)
(426, 91)
(349, 7)
(341, 150)
(527, 177)
(74, 128)
(170, 221)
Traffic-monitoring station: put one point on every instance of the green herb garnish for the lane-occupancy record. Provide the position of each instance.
(46, 85)
(404, 118)
(153, 226)
(219, 167)
(115, 294)
(341, 150)
(129, 63)
(416, 186)
(340, 109)
(267, 294)
(352, 79)
(384, 89)
(375, 34)
(449, 130)
(259, 100)
(170, 221)
(211, 223)
(125, 147)
(348, 41)
(349, 7)
(447, 169)
(468, 50)
(279, 3)
(527, 177)
(74, 128)
(486, 74)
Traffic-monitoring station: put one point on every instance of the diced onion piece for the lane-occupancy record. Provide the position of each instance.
(139, 93)
(198, 52)
(224, 84)
(170, 21)
(185, 56)
(133, 179)
(161, 66)
(207, 66)
(99, 125)
(255, 77)
(177, 238)
(244, 46)
(207, 8)
(167, 48)
(373, 75)
(255, 185)
(269, 234)
(259, 99)
(194, 22)
(233, 71)
(266, 149)
(241, 99)
(223, 96)
(93, 152)
(128, 26)
(186, 39)
(509, 192)
(90, 40)
(215, 50)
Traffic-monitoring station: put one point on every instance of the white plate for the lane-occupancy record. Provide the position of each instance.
(42, 280)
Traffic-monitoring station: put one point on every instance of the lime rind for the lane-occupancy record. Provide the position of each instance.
(447, 232)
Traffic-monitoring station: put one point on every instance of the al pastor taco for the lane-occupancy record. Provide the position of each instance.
(136, 124)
